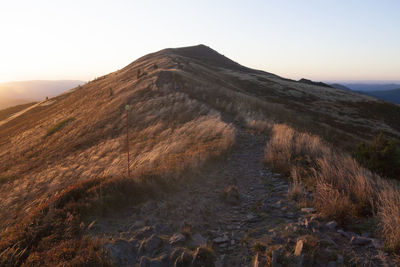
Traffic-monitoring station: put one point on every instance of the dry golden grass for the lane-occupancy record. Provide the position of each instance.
(389, 215)
(171, 137)
(342, 189)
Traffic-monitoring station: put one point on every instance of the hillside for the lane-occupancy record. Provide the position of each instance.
(198, 123)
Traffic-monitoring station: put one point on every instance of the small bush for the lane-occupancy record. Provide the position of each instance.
(57, 127)
(5, 179)
(381, 156)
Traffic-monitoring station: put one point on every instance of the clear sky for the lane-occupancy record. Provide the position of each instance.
(316, 39)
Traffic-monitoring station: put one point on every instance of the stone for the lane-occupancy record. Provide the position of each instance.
(151, 244)
(251, 216)
(332, 264)
(144, 262)
(161, 261)
(365, 234)
(162, 227)
(275, 256)
(290, 215)
(276, 205)
(184, 260)
(198, 240)
(376, 243)
(256, 261)
(221, 239)
(359, 240)
(203, 256)
(144, 232)
(340, 259)
(310, 224)
(232, 195)
(175, 254)
(299, 247)
(156, 263)
(343, 233)
(177, 238)
(121, 250)
(331, 225)
(308, 210)
(91, 225)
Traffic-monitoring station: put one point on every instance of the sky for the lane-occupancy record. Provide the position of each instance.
(326, 40)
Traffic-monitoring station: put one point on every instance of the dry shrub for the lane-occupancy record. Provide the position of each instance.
(342, 189)
(287, 148)
(296, 189)
(353, 183)
(332, 203)
(389, 216)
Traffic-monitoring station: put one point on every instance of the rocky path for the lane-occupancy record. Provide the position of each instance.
(240, 210)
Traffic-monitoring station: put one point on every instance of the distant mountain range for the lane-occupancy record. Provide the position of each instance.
(386, 92)
(22, 92)
(387, 95)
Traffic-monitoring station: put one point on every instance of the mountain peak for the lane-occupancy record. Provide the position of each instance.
(207, 55)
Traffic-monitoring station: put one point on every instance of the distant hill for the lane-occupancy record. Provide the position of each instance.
(371, 86)
(387, 92)
(340, 86)
(387, 95)
(22, 92)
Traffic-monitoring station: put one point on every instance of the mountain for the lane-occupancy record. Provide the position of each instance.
(196, 128)
(366, 87)
(22, 92)
(386, 92)
(387, 95)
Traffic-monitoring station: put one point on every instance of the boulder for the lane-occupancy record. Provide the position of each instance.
(150, 245)
(144, 262)
(331, 225)
(231, 194)
(299, 247)
(308, 210)
(184, 260)
(359, 240)
(177, 238)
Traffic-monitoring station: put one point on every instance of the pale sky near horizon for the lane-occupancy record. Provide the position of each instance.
(317, 39)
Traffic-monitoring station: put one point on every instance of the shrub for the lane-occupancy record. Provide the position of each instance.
(381, 156)
(5, 179)
(57, 127)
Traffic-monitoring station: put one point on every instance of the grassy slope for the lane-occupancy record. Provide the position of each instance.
(178, 102)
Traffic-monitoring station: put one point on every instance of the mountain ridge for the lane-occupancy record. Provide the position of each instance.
(187, 113)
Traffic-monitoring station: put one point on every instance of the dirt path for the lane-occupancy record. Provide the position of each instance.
(19, 113)
(157, 232)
